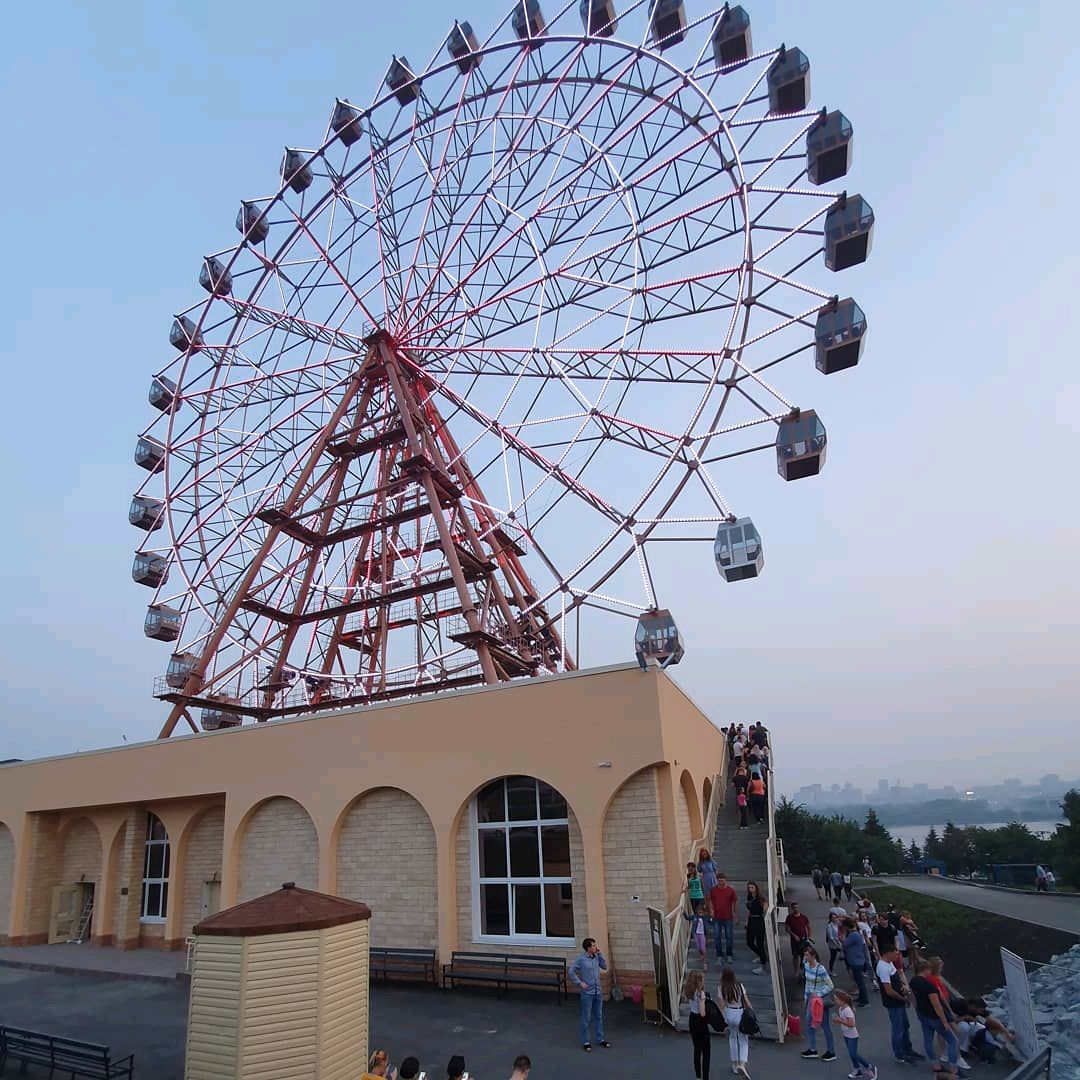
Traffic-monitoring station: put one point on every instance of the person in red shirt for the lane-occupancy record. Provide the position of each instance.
(725, 913)
(798, 928)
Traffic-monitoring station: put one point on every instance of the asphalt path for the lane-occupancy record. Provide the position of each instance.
(1058, 911)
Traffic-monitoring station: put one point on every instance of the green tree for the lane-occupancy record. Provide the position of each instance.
(932, 846)
(1065, 845)
(912, 856)
(957, 849)
(873, 827)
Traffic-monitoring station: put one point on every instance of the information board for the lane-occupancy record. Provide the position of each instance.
(1021, 1011)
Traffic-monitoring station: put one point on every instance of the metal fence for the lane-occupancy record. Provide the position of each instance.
(1033, 1068)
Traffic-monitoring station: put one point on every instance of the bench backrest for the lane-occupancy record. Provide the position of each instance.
(510, 960)
(53, 1049)
(404, 954)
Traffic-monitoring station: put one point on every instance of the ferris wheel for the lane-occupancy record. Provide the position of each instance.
(494, 337)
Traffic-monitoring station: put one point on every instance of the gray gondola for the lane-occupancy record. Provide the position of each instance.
(296, 170)
(346, 122)
(184, 335)
(463, 47)
(181, 665)
(162, 394)
(150, 454)
(800, 445)
(215, 719)
(657, 639)
(789, 82)
(401, 81)
(251, 223)
(838, 336)
(162, 623)
(149, 569)
(828, 148)
(214, 278)
(146, 513)
(667, 22)
(528, 20)
(731, 41)
(598, 17)
(738, 551)
(849, 229)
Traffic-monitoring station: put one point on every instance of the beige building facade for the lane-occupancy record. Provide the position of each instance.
(522, 816)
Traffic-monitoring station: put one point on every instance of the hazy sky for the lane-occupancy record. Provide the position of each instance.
(918, 616)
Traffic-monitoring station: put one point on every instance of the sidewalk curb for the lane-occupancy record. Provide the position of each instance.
(181, 977)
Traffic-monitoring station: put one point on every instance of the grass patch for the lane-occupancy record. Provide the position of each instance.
(968, 938)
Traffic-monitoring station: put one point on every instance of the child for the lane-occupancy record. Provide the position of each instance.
(742, 803)
(845, 1017)
(695, 893)
(697, 928)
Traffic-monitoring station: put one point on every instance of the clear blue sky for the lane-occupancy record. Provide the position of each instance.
(918, 617)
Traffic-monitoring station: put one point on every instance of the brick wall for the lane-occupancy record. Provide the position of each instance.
(463, 864)
(386, 859)
(81, 858)
(278, 845)
(44, 868)
(203, 862)
(633, 865)
(131, 860)
(7, 879)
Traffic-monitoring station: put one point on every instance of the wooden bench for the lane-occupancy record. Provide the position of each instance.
(403, 964)
(506, 970)
(71, 1056)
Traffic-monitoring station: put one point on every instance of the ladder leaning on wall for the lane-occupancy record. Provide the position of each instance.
(85, 916)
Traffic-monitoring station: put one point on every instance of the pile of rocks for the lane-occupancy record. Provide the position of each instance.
(1057, 1011)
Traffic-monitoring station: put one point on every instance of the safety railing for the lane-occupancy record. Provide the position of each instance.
(678, 928)
(1033, 1068)
(774, 861)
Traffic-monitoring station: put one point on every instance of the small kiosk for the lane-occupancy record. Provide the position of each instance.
(279, 989)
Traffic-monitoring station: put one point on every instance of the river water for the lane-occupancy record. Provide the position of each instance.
(907, 833)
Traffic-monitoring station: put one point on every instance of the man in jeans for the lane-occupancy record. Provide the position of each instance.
(585, 974)
(856, 956)
(894, 996)
(725, 913)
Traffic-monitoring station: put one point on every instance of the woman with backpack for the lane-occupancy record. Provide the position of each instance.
(736, 1005)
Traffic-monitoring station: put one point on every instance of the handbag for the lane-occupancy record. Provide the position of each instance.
(748, 1024)
(713, 1016)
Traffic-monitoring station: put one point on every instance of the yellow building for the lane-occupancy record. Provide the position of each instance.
(524, 815)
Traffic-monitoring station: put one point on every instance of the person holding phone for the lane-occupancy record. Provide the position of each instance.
(585, 975)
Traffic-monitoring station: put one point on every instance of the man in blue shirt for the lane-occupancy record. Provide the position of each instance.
(856, 956)
(585, 974)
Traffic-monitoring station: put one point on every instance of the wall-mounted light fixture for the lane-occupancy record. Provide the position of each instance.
(603, 764)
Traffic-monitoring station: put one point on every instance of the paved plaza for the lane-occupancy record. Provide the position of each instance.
(148, 1018)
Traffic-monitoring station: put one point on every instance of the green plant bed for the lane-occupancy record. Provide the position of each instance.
(969, 939)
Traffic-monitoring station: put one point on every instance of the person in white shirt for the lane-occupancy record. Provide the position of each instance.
(845, 1018)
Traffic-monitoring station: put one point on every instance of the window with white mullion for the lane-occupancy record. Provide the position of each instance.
(522, 885)
(155, 891)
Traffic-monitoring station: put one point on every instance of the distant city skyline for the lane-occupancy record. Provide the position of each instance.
(888, 792)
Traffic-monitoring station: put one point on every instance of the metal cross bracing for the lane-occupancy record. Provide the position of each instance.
(531, 300)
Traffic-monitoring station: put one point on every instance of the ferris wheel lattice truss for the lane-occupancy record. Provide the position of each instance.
(449, 388)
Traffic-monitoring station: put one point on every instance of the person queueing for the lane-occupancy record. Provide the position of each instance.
(522, 1065)
(933, 1018)
(379, 1067)
(856, 956)
(845, 1019)
(798, 928)
(734, 1003)
(697, 932)
(585, 974)
(818, 985)
(894, 996)
(692, 887)
(756, 790)
(815, 877)
(832, 939)
(756, 906)
(725, 914)
(699, 1025)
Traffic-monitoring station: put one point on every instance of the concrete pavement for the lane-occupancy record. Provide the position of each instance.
(1055, 910)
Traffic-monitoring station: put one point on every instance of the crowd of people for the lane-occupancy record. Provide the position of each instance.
(379, 1068)
(748, 751)
(883, 950)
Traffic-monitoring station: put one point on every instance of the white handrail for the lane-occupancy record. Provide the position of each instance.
(772, 925)
(679, 928)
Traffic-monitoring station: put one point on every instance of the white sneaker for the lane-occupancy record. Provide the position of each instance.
(962, 1065)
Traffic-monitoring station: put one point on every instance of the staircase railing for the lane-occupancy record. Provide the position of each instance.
(775, 863)
(678, 928)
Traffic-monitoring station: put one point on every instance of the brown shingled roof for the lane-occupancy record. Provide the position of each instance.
(287, 911)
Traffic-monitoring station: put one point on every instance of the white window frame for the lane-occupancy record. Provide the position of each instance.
(474, 861)
(154, 920)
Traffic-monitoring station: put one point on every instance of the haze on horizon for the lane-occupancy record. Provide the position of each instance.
(917, 616)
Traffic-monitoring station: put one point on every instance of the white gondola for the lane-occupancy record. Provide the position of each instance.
(657, 639)
(146, 513)
(800, 445)
(181, 665)
(149, 569)
(738, 550)
(162, 623)
(150, 454)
